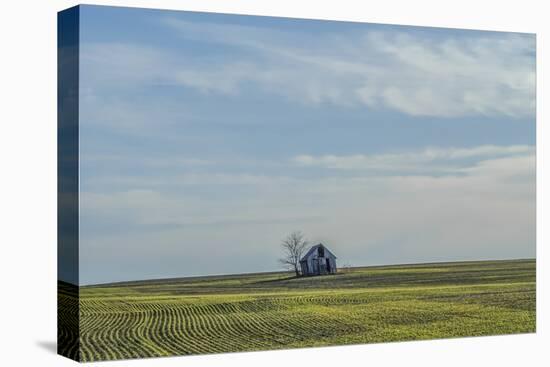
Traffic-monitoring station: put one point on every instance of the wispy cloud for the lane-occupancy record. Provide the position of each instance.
(454, 76)
(488, 75)
(443, 159)
(501, 170)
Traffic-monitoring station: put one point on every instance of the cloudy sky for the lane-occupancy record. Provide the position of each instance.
(206, 138)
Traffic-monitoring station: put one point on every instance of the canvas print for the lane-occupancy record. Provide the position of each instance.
(232, 183)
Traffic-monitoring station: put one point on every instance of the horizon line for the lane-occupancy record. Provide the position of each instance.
(174, 279)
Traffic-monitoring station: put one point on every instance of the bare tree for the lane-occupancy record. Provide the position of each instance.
(293, 246)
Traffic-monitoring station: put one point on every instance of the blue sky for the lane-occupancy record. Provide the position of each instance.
(206, 138)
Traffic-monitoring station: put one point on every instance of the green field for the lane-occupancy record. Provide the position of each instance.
(274, 311)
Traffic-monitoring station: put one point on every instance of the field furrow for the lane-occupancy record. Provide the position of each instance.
(273, 311)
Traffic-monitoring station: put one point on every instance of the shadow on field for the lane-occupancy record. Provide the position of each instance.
(48, 345)
(276, 280)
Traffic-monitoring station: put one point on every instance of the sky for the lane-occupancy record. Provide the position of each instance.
(206, 138)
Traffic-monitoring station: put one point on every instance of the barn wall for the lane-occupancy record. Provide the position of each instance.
(311, 260)
(304, 268)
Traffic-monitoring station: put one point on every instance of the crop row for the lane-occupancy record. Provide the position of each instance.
(133, 327)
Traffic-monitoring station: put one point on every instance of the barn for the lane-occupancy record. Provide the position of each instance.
(318, 261)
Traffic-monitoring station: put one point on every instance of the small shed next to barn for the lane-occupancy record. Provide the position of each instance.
(318, 261)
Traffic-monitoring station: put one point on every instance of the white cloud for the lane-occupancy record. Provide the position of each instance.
(439, 159)
(491, 74)
(445, 76)
(484, 75)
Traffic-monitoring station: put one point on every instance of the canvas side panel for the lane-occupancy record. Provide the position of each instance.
(67, 183)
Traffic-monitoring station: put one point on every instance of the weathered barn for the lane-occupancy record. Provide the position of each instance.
(318, 261)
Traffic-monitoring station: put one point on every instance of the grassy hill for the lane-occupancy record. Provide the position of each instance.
(274, 310)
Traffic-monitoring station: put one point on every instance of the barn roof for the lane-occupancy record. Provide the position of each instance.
(313, 249)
